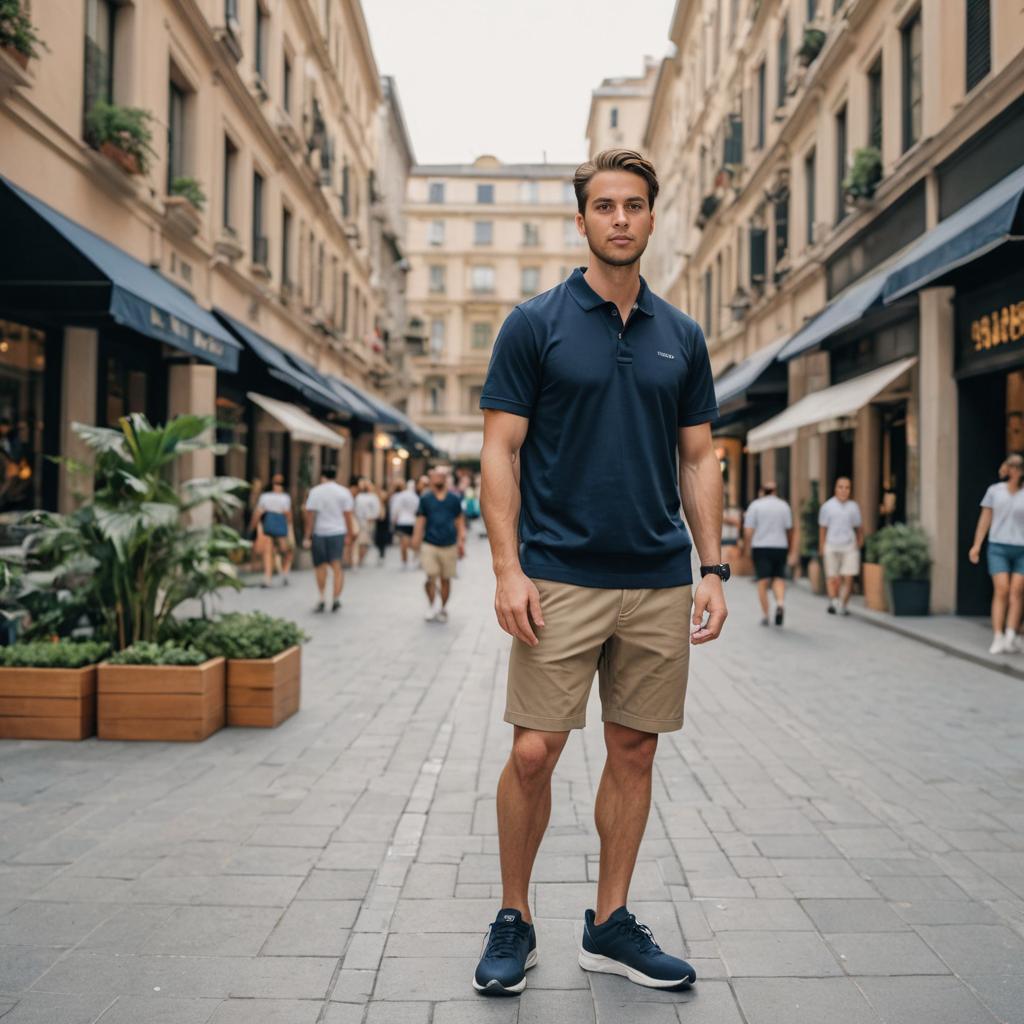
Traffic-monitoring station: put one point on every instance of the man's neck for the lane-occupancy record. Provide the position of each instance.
(439, 494)
(620, 285)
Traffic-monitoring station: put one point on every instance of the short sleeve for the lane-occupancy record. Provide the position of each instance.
(261, 501)
(421, 508)
(789, 518)
(750, 518)
(855, 519)
(823, 515)
(312, 504)
(697, 402)
(513, 377)
(347, 501)
(989, 501)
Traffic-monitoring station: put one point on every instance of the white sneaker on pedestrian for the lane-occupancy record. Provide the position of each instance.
(1011, 642)
(442, 615)
(431, 615)
(998, 644)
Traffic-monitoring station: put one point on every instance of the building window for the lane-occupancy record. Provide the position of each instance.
(979, 41)
(570, 233)
(911, 45)
(530, 283)
(568, 192)
(810, 184)
(344, 300)
(812, 10)
(482, 334)
(228, 195)
(482, 279)
(473, 394)
(529, 192)
(734, 17)
(709, 328)
(286, 247)
(875, 101)
(23, 408)
(262, 34)
(286, 84)
(99, 53)
(435, 396)
(485, 193)
(783, 60)
(840, 163)
(175, 134)
(437, 279)
(483, 232)
(613, 120)
(531, 235)
(758, 255)
(259, 241)
(435, 192)
(761, 101)
(781, 209)
(437, 333)
(436, 232)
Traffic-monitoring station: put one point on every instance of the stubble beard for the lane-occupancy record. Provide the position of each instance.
(616, 261)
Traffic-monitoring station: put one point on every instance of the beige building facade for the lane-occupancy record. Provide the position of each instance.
(481, 238)
(245, 247)
(810, 152)
(619, 108)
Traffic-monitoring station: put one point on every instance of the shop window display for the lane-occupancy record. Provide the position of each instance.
(22, 369)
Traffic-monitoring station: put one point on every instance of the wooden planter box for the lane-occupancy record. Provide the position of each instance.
(160, 702)
(873, 581)
(128, 163)
(263, 692)
(47, 703)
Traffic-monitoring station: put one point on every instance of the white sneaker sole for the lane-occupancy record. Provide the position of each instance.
(604, 965)
(495, 987)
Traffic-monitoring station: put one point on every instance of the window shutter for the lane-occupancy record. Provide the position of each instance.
(979, 41)
(734, 141)
(758, 239)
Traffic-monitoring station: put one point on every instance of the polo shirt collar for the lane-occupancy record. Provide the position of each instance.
(587, 299)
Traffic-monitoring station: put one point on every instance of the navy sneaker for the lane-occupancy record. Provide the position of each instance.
(510, 950)
(624, 946)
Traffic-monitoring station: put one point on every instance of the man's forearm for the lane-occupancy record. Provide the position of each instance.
(701, 489)
(500, 502)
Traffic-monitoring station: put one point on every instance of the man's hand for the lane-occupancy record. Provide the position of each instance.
(307, 543)
(516, 602)
(708, 597)
(462, 549)
(974, 555)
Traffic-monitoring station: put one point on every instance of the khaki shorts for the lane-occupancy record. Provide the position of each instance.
(439, 561)
(842, 561)
(637, 641)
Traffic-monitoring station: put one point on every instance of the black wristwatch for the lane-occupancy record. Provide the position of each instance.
(723, 572)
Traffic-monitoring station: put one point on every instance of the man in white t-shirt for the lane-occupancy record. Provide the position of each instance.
(768, 533)
(840, 535)
(329, 521)
(367, 508)
(403, 508)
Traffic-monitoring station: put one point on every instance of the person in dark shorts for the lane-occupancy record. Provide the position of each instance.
(403, 507)
(329, 522)
(768, 532)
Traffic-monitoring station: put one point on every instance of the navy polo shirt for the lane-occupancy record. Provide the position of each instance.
(599, 469)
(440, 516)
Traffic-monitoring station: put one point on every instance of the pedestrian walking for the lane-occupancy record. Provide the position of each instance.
(1002, 520)
(272, 517)
(440, 539)
(382, 527)
(367, 509)
(768, 533)
(404, 506)
(598, 400)
(840, 536)
(329, 521)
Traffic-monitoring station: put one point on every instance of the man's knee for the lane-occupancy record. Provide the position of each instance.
(631, 750)
(535, 754)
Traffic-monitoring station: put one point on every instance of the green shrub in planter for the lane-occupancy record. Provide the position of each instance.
(147, 653)
(873, 547)
(903, 552)
(53, 654)
(127, 128)
(864, 175)
(17, 30)
(190, 189)
(249, 635)
(813, 42)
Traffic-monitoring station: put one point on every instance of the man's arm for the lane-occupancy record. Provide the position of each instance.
(516, 599)
(418, 531)
(700, 486)
(460, 533)
(308, 516)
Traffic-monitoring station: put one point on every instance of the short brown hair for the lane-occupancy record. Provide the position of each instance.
(615, 160)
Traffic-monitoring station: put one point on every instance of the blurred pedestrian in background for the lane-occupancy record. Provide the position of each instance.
(329, 521)
(403, 506)
(272, 525)
(1002, 519)
(367, 509)
(840, 535)
(768, 530)
(440, 539)
(382, 527)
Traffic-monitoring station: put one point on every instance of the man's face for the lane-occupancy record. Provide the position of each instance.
(438, 478)
(842, 488)
(618, 219)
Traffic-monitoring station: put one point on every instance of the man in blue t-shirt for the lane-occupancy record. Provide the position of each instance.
(598, 402)
(440, 538)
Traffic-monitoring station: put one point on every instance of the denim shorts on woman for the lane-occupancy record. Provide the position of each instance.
(1005, 558)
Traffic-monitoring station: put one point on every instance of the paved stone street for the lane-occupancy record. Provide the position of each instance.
(837, 838)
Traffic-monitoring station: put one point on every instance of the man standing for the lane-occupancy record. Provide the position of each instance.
(598, 403)
(440, 539)
(840, 536)
(329, 521)
(768, 532)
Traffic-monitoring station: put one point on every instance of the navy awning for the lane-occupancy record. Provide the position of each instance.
(738, 380)
(53, 269)
(283, 367)
(373, 411)
(990, 219)
(843, 311)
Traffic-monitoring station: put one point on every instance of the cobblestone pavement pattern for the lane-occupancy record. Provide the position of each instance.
(837, 837)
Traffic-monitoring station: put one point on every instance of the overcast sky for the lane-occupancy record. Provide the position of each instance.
(508, 77)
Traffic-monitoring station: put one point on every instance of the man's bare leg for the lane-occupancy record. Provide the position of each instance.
(339, 578)
(623, 803)
(446, 589)
(762, 596)
(524, 807)
(321, 579)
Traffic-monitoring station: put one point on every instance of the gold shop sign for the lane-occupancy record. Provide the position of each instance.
(999, 327)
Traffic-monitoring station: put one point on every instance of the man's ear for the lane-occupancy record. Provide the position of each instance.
(581, 225)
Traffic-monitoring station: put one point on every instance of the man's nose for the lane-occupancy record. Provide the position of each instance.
(620, 215)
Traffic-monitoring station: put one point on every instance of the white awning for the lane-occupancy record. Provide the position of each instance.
(299, 424)
(460, 444)
(830, 409)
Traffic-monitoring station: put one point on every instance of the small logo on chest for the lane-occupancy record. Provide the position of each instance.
(665, 355)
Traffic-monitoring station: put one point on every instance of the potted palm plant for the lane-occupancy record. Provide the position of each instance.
(872, 575)
(906, 562)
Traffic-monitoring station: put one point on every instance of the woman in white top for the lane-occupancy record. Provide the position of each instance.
(272, 525)
(1002, 518)
(367, 510)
